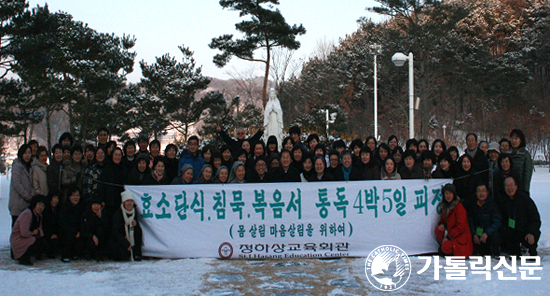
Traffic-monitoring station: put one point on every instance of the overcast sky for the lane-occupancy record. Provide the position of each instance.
(160, 26)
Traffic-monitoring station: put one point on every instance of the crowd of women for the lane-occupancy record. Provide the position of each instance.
(70, 200)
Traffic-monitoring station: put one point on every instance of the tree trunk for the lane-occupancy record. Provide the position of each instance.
(266, 77)
(48, 129)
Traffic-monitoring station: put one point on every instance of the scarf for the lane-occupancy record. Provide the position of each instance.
(346, 172)
(128, 227)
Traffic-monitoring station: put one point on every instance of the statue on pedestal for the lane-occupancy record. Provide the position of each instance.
(273, 118)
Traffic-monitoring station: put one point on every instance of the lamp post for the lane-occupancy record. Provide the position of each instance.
(399, 60)
(376, 49)
(330, 118)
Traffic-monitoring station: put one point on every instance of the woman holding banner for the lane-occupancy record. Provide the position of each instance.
(126, 234)
(452, 232)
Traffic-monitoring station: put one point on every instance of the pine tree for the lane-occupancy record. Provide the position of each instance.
(267, 29)
(175, 84)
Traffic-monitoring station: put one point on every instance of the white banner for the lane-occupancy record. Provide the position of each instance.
(288, 220)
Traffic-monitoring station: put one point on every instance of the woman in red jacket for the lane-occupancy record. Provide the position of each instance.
(453, 232)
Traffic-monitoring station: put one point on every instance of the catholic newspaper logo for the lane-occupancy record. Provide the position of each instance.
(388, 268)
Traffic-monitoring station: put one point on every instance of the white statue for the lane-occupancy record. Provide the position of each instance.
(273, 118)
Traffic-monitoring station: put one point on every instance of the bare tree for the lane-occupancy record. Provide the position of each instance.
(283, 65)
(323, 49)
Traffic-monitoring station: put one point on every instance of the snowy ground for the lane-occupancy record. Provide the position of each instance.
(240, 277)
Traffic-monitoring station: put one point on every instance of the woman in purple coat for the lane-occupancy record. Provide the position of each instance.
(26, 235)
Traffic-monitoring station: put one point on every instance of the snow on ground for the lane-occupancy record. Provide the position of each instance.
(248, 277)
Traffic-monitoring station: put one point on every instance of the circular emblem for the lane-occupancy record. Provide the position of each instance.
(225, 250)
(388, 268)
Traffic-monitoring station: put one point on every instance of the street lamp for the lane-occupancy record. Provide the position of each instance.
(330, 118)
(376, 49)
(399, 60)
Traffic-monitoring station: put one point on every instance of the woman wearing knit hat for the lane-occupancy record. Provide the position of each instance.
(452, 232)
(126, 235)
(185, 176)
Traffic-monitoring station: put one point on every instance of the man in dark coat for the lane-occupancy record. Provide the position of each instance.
(521, 220)
(236, 144)
(295, 133)
(485, 222)
(285, 172)
(260, 174)
(480, 163)
(192, 157)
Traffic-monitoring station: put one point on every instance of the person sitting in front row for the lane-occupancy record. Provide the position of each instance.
(26, 238)
(126, 234)
(485, 221)
(521, 220)
(452, 232)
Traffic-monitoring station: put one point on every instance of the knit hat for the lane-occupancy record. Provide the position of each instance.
(494, 146)
(449, 187)
(184, 168)
(126, 195)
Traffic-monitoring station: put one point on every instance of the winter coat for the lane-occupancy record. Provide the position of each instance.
(480, 165)
(499, 193)
(440, 174)
(171, 168)
(21, 238)
(465, 184)
(523, 164)
(40, 177)
(109, 193)
(326, 177)
(254, 178)
(458, 231)
(371, 171)
(72, 173)
(486, 217)
(117, 239)
(279, 175)
(136, 177)
(235, 144)
(21, 189)
(524, 211)
(151, 179)
(128, 165)
(89, 181)
(354, 175)
(94, 225)
(186, 157)
(393, 176)
(54, 175)
(50, 221)
(71, 219)
(415, 173)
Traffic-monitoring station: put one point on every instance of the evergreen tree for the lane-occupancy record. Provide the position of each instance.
(71, 67)
(267, 29)
(175, 84)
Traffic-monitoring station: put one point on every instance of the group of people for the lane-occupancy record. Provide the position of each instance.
(74, 200)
